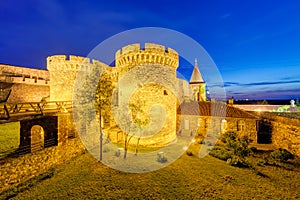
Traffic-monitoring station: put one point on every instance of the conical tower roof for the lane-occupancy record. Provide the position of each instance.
(196, 75)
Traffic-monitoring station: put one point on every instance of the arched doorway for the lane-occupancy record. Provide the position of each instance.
(264, 131)
(37, 135)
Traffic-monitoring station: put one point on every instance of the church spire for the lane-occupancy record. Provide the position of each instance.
(197, 84)
(196, 75)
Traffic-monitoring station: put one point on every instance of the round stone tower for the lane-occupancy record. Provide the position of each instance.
(153, 68)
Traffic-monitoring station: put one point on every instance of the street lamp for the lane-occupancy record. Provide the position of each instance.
(101, 133)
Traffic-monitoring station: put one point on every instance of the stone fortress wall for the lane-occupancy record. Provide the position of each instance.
(26, 85)
(154, 63)
(33, 85)
(63, 72)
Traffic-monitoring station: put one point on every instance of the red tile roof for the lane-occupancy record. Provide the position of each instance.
(217, 109)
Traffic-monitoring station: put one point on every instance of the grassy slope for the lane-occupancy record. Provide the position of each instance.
(9, 138)
(187, 178)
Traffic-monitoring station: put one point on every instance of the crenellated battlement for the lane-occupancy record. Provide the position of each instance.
(133, 55)
(63, 58)
(72, 63)
(8, 73)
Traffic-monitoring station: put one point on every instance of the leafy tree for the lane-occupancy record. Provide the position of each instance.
(138, 115)
(103, 97)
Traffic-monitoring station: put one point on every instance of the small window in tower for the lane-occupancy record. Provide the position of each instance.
(165, 92)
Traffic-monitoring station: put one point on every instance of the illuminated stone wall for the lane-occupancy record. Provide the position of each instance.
(26, 85)
(158, 64)
(202, 125)
(28, 93)
(63, 73)
(285, 132)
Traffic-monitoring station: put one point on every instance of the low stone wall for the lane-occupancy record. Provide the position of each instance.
(285, 132)
(16, 170)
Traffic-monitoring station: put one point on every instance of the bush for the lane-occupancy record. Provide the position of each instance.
(221, 153)
(234, 149)
(237, 162)
(226, 137)
(282, 155)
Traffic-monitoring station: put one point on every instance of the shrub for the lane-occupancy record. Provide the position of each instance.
(221, 153)
(282, 155)
(228, 136)
(237, 162)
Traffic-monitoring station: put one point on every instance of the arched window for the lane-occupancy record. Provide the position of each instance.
(241, 125)
(199, 122)
(186, 124)
(223, 125)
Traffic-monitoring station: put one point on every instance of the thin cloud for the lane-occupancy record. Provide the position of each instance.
(228, 84)
(225, 15)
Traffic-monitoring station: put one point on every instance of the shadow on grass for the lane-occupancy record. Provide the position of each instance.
(14, 191)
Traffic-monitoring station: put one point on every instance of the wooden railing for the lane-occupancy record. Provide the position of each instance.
(8, 110)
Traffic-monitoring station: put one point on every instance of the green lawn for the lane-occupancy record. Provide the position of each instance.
(187, 178)
(9, 138)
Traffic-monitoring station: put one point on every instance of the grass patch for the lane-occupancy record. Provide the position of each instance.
(14, 191)
(9, 138)
(187, 178)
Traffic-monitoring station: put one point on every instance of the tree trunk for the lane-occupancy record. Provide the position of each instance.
(137, 146)
(125, 147)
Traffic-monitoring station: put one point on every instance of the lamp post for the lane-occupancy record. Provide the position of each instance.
(101, 133)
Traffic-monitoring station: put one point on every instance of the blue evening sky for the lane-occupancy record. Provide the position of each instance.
(255, 44)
